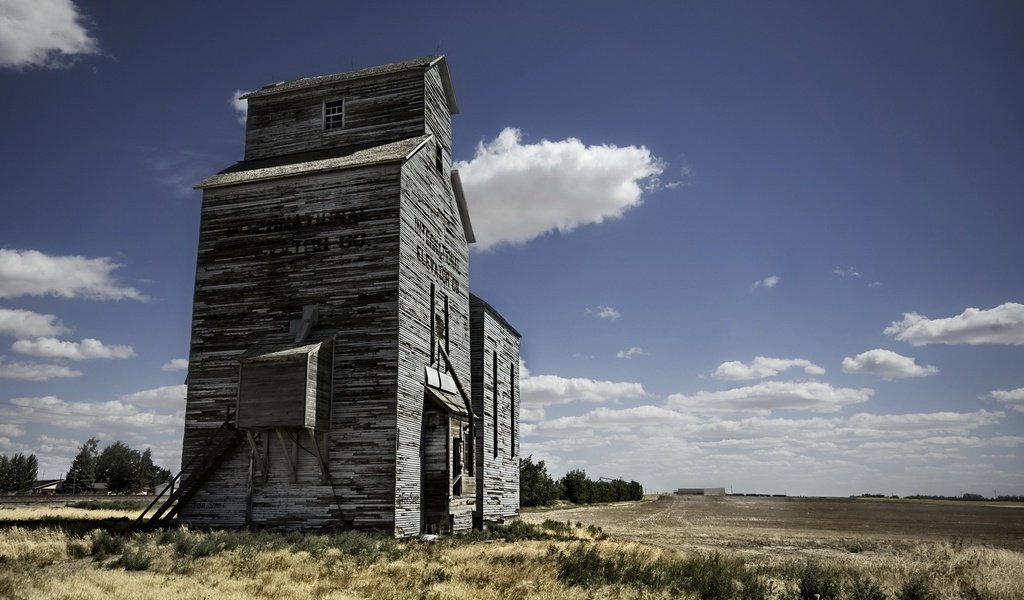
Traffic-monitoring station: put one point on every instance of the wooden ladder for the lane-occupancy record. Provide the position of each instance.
(199, 468)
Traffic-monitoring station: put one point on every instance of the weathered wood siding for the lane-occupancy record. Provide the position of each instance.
(433, 251)
(381, 109)
(265, 251)
(495, 386)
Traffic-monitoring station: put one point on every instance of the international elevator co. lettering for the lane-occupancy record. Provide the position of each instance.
(299, 234)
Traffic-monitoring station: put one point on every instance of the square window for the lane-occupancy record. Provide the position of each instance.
(334, 114)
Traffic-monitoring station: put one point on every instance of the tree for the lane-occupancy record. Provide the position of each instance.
(18, 473)
(82, 473)
(121, 468)
(536, 488)
(578, 488)
(152, 475)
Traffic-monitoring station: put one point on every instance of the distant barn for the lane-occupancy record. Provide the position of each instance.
(340, 373)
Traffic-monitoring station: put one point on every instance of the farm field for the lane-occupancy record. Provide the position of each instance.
(667, 547)
(793, 525)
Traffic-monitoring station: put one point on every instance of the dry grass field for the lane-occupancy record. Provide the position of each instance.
(745, 548)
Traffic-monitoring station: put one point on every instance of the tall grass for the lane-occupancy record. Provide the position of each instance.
(553, 560)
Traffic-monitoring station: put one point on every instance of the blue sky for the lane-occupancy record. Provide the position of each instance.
(772, 247)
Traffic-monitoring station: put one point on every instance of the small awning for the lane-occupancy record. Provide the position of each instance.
(450, 402)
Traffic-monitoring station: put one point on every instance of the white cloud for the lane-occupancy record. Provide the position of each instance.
(241, 106)
(768, 282)
(42, 33)
(1011, 398)
(767, 396)
(762, 367)
(84, 415)
(26, 324)
(32, 273)
(86, 349)
(6, 429)
(29, 371)
(539, 391)
(604, 312)
(846, 272)
(175, 364)
(521, 191)
(887, 365)
(630, 353)
(171, 397)
(1003, 324)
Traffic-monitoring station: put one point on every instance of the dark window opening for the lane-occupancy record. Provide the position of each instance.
(469, 449)
(457, 466)
(494, 398)
(447, 348)
(439, 158)
(512, 410)
(334, 114)
(432, 325)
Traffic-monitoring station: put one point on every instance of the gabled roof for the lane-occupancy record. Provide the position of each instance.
(398, 151)
(477, 303)
(423, 64)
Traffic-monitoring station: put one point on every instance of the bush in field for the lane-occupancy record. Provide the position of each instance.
(104, 543)
(708, 577)
(817, 582)
(864, 588)
(917, 588)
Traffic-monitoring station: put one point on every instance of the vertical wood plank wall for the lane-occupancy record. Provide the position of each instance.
(378, 110)
(244, 298)
(497, 481)
(433, 250)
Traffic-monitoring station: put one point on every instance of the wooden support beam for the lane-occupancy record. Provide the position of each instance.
(290, 458)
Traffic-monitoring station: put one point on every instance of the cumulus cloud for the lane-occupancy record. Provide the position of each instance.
(175, 364)
(241, 106)
(767, 396)
(887, 365)
(84, 415)
(1003, 324)
(521, 191)
(768, 282)
(32, 273)
(42, 33)
(1011, 398)
(30, 371)
(762, 367)
(538, 391)
(604, 312)
(171, 397)
(22, 324)
(630, 353)
(86, 349)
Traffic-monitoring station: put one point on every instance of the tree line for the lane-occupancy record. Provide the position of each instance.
(537, 488)
(122, 469)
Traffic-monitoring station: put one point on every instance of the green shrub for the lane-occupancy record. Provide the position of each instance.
(864, 588)
(917, 588)
(557, 526)
(816, 580)
(78, 548)
(134, 558)
(104, 543)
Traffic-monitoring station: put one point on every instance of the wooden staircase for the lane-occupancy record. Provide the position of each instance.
(200, 467)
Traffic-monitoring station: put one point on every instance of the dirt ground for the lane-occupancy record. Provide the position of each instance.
(800, 526)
